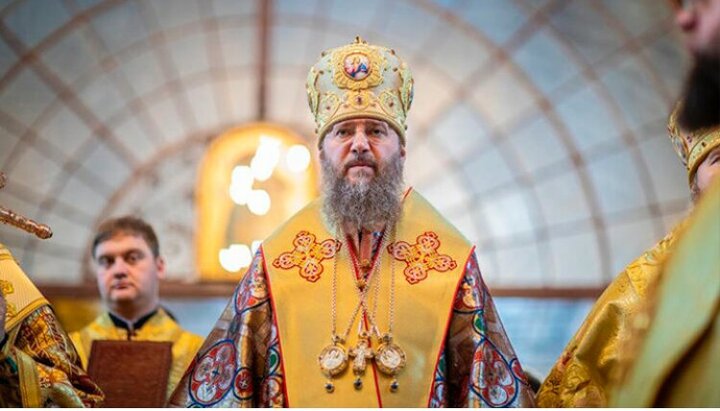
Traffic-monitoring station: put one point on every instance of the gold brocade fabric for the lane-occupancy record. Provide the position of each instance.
(160, 327)
(39, 366)
(582, 375)
(673, 357)
(241, 364)
(43, 353)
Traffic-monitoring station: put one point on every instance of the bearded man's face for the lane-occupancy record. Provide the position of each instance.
(362, 162)
(700, 24)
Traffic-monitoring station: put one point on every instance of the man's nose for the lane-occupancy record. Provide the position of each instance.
(119, 268)
(685, 19)
(360, 144)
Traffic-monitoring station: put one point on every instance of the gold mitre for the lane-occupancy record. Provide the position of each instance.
(359, 80)
(691, 147)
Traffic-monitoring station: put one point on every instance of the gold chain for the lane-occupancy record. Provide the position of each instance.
(373, 275)
(372, 314)
(391, 309)
(329, 356)
(363, 294)
(362, 297)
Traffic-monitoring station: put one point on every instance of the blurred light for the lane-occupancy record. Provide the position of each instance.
(241, 184)
(242, 175)
(240, 195)
(298, 158)
(229, 261)
(243, 254)
(235, 257)
(255, 245)
(266, 158)
(259, 202)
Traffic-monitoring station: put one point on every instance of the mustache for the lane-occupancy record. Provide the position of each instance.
(361, 161)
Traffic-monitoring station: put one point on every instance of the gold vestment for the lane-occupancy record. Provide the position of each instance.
(263, 355)
(581, 377)
(39, 366)
(673, 357)
(160, 327)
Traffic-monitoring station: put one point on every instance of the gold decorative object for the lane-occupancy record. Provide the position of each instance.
(9, 217)
(390, 360)
(333, 360)
(361, 353)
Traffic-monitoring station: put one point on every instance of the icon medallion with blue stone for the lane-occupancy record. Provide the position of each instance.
(390, 360)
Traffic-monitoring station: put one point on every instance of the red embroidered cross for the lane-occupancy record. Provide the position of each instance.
(308, 255)
(421, 257)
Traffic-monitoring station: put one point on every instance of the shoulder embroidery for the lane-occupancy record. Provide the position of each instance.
(421, 257)
(308, 254)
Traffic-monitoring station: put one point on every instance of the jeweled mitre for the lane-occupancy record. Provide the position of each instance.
(692, 147)
(359, 80)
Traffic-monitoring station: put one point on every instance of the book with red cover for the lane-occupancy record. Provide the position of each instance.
(131, 373)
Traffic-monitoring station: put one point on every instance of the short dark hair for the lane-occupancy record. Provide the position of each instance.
(126, 225)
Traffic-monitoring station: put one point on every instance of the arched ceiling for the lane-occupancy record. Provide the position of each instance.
(538, 127)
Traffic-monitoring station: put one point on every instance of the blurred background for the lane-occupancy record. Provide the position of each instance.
(537, 127)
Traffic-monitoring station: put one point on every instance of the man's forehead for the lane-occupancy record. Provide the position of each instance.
(361, 121)
(122, 241)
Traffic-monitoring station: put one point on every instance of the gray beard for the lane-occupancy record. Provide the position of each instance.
(364, 205)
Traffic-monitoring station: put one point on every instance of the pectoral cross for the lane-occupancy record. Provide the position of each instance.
(360, 354)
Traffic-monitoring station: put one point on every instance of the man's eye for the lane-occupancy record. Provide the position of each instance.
(342, 132)
(105, 262)
(132, 258)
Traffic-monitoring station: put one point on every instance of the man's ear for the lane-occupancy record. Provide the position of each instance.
(160, 266)
(402, 151)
